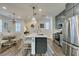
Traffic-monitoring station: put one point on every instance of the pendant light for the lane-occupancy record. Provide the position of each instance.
(14, 19)
(34, 14)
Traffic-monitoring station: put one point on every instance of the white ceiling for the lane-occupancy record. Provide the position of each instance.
(25, 9)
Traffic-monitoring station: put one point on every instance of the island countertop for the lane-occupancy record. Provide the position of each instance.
(36, 35)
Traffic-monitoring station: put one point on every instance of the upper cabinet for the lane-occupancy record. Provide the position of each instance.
(69, 6)
(59, 20)
(76, 4)
(76, 10)
(69, 13)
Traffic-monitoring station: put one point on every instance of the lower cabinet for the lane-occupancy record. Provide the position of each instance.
(40, 45)
(70, 50)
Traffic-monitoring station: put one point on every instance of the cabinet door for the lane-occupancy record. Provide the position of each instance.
(76, 4)
(68, 50)
(74, 51)
(69, 14)
(76, 10)
(40, 45)
(69, 6)
(64, 48)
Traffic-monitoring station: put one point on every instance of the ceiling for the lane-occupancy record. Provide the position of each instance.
(24, 10)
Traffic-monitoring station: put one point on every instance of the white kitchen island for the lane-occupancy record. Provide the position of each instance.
(30, 39)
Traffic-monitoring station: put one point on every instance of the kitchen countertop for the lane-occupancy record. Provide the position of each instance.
(36, 35)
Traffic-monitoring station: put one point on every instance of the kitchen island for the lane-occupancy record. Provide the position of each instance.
(38, 43)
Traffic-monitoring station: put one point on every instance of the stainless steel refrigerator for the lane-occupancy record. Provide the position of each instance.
(71, 36)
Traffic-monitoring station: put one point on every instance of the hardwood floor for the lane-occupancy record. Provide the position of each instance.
(18, 50)
(55, 48)
(10, 52)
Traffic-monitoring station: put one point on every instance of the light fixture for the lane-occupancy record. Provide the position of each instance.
(34, 22)
(40, 10)
(34, 14)
(13, 18)
(4, 7)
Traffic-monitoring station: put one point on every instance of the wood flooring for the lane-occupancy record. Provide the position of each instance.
(19, 50)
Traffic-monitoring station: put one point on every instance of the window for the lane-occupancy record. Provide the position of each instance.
(47, 25)
(18, 27)
(0, 25)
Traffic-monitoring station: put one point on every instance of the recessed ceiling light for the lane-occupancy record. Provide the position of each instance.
(4, 7)
(40, 9)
